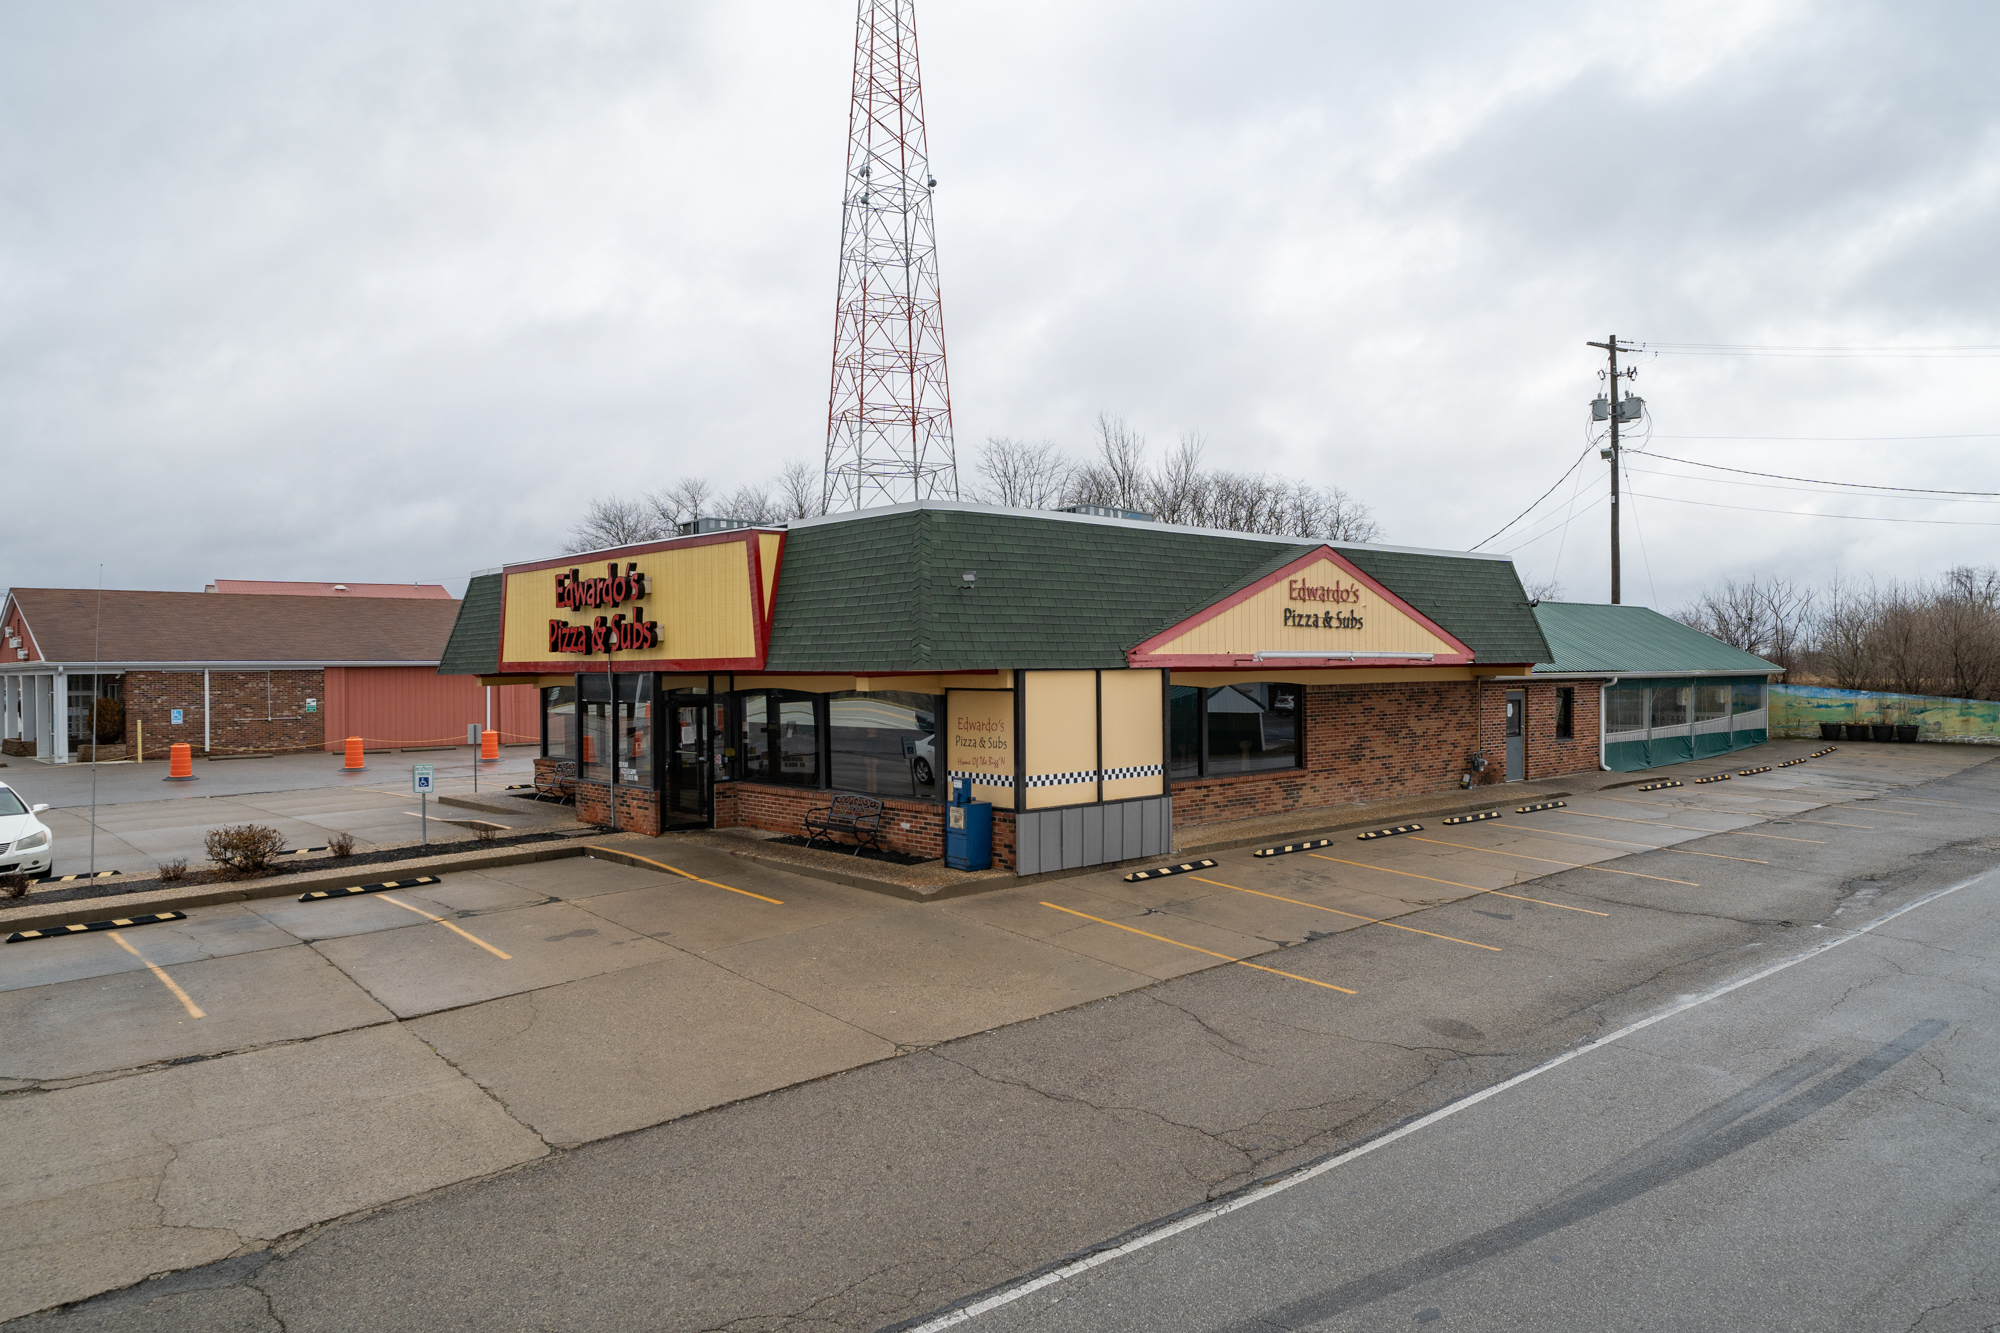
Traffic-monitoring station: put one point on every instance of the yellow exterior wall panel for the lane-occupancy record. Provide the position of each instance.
(979, 725)
(1133, 721)
(1061, 718)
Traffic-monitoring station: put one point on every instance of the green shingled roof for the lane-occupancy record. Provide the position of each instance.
(1633, 640)
(885, 592)
(474, 647)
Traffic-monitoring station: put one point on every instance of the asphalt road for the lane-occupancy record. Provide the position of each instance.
(1813, 1150)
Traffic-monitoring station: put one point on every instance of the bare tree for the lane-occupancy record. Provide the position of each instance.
(1772, 618)
(751, 503)
(801, 491)
(1543, 590)
(613, 521)
(1116, 476)
(675, 504)
(1020, 475)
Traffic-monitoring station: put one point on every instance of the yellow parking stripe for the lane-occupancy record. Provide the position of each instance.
(1651, 847)
(775, 902)
(1456, 885)
(446, 924)
(1572, 865)
(194, 1010)
(1371, 920)
(1712, 832)
(1210, 952)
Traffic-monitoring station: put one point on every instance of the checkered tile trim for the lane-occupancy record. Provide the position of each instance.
(987, 779)
(1137, 771)
(1062, 779)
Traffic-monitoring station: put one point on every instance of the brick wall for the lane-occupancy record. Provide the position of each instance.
(1363, 743)
(912, 827)
(247, 717)
(638, 807)
(1547, 757)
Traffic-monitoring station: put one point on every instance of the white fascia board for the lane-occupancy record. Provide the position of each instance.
(86, 668)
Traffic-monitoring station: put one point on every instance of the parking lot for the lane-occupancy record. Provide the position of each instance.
(292, 1062)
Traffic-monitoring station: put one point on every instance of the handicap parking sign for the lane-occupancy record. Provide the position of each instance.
(176, 716)
(421, 778)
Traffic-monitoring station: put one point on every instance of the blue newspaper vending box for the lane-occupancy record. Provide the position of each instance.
(968, 829)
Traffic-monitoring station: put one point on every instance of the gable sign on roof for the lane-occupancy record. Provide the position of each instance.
(692, 604)
(1319, 610)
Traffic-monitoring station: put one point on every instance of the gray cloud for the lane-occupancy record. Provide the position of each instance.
(374, 292)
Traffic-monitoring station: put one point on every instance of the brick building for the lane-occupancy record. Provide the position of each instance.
(257, 672)
(1097, 679)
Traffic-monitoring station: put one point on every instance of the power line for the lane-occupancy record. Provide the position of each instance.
(1816, 481)
(1821, 439)
(1543, 496)
(1807, 513)
(1942, 350)
(1813, 490)
(1557, 524)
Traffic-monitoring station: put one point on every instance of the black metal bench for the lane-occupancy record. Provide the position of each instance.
(556, 782)
(859, 817)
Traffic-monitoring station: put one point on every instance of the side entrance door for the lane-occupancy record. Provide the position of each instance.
(1517, 735)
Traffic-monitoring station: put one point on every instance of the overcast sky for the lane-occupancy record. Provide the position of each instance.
(377, 291)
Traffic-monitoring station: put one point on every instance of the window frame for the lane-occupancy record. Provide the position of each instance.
(1202, 695)
(1565, 713)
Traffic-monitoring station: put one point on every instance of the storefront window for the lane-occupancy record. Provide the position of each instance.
(1670, 706)
(1624, 710)
(1233, 729)
(780, 738)
(593, 716)
(885, 742)
(635, 730)
(1566, 714)
(559, 722)
(1710, 702)
(1252, 728)
(1747, 698)
(1184, 761)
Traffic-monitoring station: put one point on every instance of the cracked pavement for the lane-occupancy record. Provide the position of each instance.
(848, 1114)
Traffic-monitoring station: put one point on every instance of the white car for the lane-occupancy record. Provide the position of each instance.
(26, 845)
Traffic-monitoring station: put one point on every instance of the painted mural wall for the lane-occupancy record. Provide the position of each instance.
(1797, 711)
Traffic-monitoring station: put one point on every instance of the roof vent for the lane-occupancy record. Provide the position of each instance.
(340, 587)
(1103, 511)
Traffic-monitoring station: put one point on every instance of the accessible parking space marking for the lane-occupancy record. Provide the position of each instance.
(194, 1010)
(387, 898)
(1456, 885)
(1371, 920)
(775, 902)
(1198, 949)
(1548, 861)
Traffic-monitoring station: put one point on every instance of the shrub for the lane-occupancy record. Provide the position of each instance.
(340, 844)
(244, 848)
(14, 886)
(110, 721)
(175, 869)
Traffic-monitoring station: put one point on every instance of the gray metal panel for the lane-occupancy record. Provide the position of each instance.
(1167, 821)
(1049, 830)
(1072, 839)
(1135, 829)
(1027, 845)
(1150, 839)
(1093, 836)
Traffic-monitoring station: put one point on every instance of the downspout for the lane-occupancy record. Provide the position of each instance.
(1602, 690)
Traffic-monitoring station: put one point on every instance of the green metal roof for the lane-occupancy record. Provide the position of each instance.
(474, 646)
(1633, 640)
(885, 592)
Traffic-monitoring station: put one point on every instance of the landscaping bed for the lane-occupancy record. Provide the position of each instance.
(121, 885)
(847, 849)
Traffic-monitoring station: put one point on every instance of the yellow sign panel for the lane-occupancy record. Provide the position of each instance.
(1317, 605)
(700, 604)
(981, 742)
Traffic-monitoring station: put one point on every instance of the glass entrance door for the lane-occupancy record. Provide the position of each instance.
(688, 742)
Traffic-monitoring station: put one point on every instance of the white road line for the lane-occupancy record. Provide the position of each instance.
(1263, 1192)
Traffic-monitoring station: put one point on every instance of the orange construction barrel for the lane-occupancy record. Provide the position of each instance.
(489, 745)
(589, 748)
(180, 764)
(353, 764)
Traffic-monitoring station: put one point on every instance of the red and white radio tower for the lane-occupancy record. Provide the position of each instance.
(888, 433)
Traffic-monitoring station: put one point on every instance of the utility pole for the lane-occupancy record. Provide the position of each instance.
(1610, 408)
